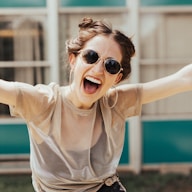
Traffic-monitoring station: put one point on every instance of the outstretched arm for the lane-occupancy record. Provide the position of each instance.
(168, 86)
(7, 93)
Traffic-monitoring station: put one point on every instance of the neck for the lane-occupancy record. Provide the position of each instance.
(72, 96)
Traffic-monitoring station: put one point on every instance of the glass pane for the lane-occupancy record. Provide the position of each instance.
(164, 38)
(22, 39)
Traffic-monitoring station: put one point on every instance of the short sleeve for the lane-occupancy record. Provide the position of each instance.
(129, 100)
(33, 101)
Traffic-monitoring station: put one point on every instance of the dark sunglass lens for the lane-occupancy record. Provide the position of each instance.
(90, 57)
(112, 66)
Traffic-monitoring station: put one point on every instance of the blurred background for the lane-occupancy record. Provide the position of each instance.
(32, 50)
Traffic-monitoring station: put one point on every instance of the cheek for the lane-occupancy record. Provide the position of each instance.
(110, 81)
(79, 71)
(78, 68)
(81, 68)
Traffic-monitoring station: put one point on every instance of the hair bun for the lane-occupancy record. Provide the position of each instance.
(86, 22)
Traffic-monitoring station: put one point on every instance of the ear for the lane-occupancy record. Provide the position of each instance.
(72, 59)
(118, 79)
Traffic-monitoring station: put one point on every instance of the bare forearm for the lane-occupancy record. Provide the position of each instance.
(168, 86)
(185, 75)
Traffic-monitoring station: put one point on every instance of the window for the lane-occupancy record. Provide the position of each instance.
(22, 50)
(166, 46)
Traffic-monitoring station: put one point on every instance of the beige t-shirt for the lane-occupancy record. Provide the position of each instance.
(73, 149)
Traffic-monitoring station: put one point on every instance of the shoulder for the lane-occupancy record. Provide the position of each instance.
(129, 88)
(37, 93)
(128, 92)
(129, 99)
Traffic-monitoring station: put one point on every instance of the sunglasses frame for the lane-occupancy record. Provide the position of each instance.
(98, 59)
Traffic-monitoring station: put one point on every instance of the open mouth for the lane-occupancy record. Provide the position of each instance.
(91, 84)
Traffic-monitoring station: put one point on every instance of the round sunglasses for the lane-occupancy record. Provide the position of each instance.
(91, 57)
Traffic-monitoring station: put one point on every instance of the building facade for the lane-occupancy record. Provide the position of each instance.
(32, 50)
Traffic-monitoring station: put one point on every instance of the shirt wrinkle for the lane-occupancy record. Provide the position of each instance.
(98, 133)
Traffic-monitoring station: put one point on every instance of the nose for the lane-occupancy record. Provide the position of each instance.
(99, 67)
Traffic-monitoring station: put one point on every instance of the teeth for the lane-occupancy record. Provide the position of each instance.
(93, 80)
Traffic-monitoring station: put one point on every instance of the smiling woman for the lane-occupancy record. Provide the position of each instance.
(77, 131)
(106, 70)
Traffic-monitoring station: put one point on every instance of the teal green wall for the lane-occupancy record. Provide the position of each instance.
(165, 2)
(110, 3)
(14, 139)
(22, 3)
(125, 154)
(163, 141)
(167, 141)
(75, 3)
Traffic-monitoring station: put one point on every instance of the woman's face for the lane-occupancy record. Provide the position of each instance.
(92, 81)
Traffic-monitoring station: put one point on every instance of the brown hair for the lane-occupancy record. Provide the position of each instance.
(90, 28)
